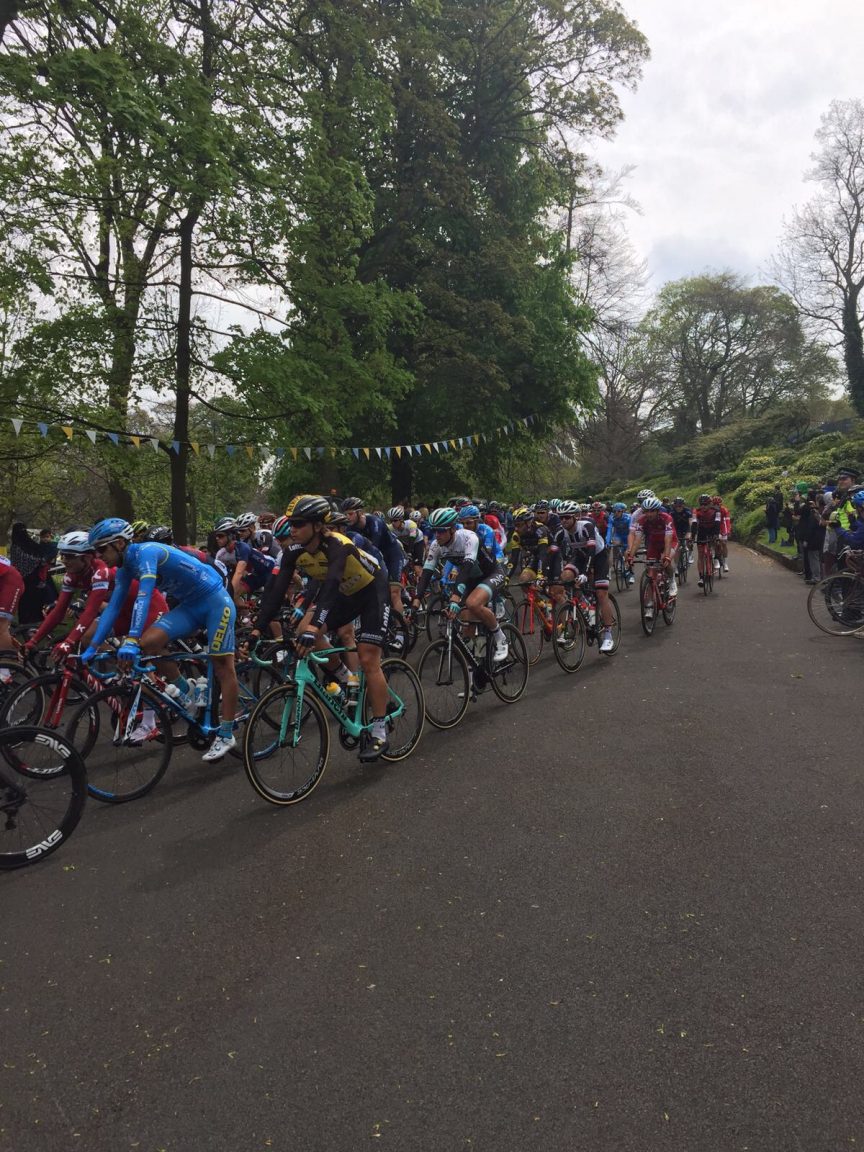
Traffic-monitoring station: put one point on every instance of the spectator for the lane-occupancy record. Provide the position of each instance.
(772, 518)
(810, 535)
(838, 514)
(28, 558)
(49, 550)
(788, 525)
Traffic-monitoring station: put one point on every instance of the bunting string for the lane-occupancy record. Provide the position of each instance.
(139, 440)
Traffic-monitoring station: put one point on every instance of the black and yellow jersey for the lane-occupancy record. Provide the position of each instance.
(337, 567)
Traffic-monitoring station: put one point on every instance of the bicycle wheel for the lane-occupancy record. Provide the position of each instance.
(620, 573)
(531, 623)
(647, 605)
(682, 565)
(446, 682)
(398, 638)
(285, 750)
(616, 623)
(836, 604)
(127, 735)
(435, 620)
(404, 686)
(669, 610)
(568, 637)
(43, 789)
(32, 702)
(511, 675)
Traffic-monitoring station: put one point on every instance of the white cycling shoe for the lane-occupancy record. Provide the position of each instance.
(219, 748)
(607, 644)
(501, 650)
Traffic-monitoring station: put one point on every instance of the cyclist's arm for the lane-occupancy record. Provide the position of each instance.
(122, 580)
(429, 566)
(276, 589)
(55, 616)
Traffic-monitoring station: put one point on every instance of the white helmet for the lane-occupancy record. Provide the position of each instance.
(568, 508)
(651, 504)
(247, 520)
(75, 543)
(644, 494)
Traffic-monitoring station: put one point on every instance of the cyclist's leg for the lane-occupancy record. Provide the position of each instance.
(600, 564)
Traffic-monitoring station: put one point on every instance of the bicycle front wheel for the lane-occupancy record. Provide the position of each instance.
(620, 574)
(127, 735)
(43, 789)
(405, 690)
(616, 623)
(568, 637)
(531, 623)
(286, 746)
(647, 606)
(836, 604)
(511, 675)
(446, 682)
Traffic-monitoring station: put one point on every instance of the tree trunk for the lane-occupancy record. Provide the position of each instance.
(853, 351)
(182, 378)
(401, 477)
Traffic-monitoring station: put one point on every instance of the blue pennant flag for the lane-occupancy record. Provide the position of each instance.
(230, 449)
(280, 452)
(175, 447)
(356, 452)
(43, 428)
(113, 437)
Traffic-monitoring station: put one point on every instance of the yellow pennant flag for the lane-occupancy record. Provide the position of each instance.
(428, 448)
(293, 452)
(68, 431)
(333, 452)
(366, 453)
(195, 446)
(399, 451)
(136, 440)
(452, 443)
(250, 451)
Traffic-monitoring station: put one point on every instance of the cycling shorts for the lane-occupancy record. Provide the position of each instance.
(11, 587)
(600, 564)
(492, 583)
(215, 612)
(371, 606)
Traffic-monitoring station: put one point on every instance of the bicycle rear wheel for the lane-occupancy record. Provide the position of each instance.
(836, 604)
(616, 623)
(620, 573)
(568, 637)
(43, 789)
(446, 681)
(31, 702)
(511, 675)
(435, 618)
(128, 740)
(531, 623)
(669, 610)
(285, 751)
(404, 686)
(647, 605)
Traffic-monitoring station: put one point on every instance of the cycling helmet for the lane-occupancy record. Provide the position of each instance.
(443, 518)
(555, 504)
(541, 506)
(586, 508)
(266, 520)
(568, 508)
(397, 512)
(225, 524)
(247, 520)
(651, 504)
(139, 527)
(857, 499)
(644, 494)
(74, 543)
(352, 504)
(161, 535)
(111, 529)
(704, 498)
(469, 512)
(494, 507)
(598, 505)
(315, 509)
(282, 528)
(522, 514)
(618, 506)
(717, 500)
(678, 500)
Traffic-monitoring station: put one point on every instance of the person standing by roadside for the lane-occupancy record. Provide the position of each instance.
(772, 518)
(27, 557)
(810, 535)
(839, 514)
(49, 550)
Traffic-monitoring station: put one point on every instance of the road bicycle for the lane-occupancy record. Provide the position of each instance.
(286, 742)
(534, 619)
(836, 604)
(456, 668)
(685, 559)
(706, 565)
(43, 789)
(576, 625)
(654, 598)
(623, 571)
(127, 731)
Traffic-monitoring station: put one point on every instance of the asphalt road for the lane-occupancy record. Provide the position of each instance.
(624, 913)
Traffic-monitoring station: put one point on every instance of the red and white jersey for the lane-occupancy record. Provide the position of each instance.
(658, 530)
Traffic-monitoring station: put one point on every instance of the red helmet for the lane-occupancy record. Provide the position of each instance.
(716, 499)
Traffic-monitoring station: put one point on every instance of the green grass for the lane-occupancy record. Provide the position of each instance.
(762, 538)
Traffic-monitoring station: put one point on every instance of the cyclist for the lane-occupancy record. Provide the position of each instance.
(682, 518)
(409, 536)
(705, 526)
(348, 583)
(725, 531)
(528, 545)
(11, 588)
(201, 602)
(577, 545)
(658, 531)
(617, 533)
(140, 530)
(376, 532)
(252, 568)
(546, 518)
(476, 576)
(469, 517)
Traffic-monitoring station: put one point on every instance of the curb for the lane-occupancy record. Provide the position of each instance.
(793, 563)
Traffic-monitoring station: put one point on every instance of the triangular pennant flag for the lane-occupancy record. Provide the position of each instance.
(366, 453)
(444, 446)
(378, 452)
(418, 448)
(409, 449)
(211, 448)
(154, 443)
(437, 447)
(250, 451)
(525, 421)
(230, 449)
(398, 451)
(476, 439)
(175, 447)
(356, 453)
(293, 452)
(113, 437)
(280, 452)
(16, 424)
(453, 444)
(195, 446)
(91, 435)
(333, 452)
(428, 448)
(43, 428)
(307, 452)
(388, 452)
(136, 440)
(319, 452)
(68, 431)
(461, 441)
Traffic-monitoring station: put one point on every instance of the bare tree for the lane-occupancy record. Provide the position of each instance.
(821, 260)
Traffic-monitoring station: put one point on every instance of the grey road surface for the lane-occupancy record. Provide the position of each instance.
(624, 913)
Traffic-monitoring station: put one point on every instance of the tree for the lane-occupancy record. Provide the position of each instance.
(716, 349)
(821, 261)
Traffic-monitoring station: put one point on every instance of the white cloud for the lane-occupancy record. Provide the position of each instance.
(721, 129)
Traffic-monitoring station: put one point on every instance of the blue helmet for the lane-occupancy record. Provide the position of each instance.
(469, 512)
(619, 507)
(858, 497)
(111, 529)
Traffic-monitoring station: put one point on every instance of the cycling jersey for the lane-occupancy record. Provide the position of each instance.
(725, 521)
(470, 559)
(375, 529)
(707, 521)
(489, 541)
(530, 545)
(682, 519)
(258, 565)
(412, 540)
(658, 532)
(338, 565)
(574, 548)
(618, 529)
(11, 587)
(97, 581)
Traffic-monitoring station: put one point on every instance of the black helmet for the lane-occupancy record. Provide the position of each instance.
(161, 535)
(315, 509)
(352, 504)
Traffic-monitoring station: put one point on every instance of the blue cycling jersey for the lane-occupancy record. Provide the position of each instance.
(376, 532)
(490, 542)
(259, 564)
(180, 576)
(618, 529)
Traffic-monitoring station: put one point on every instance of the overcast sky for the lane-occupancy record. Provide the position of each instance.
(721, 128)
